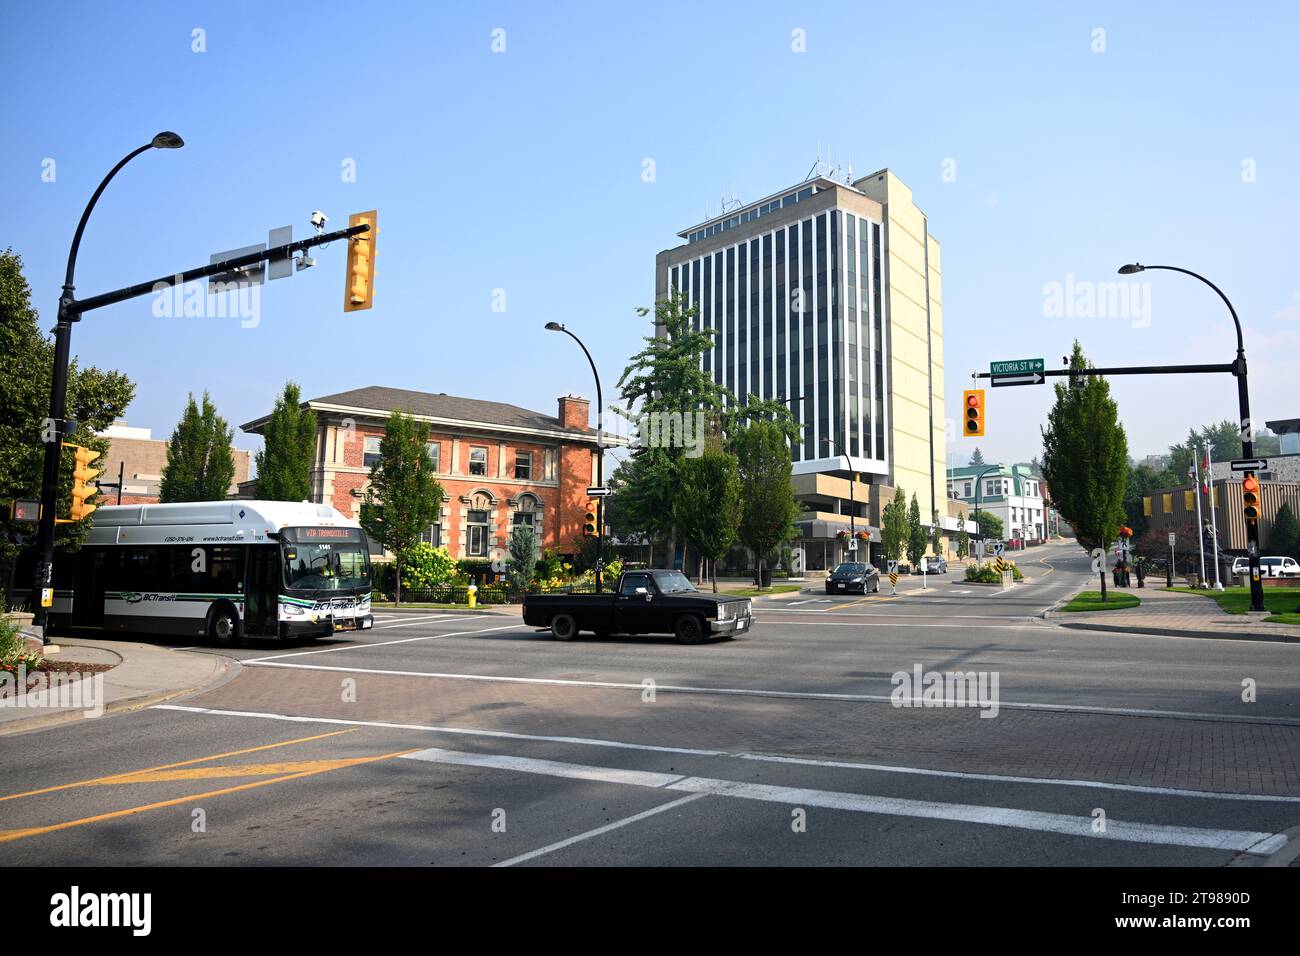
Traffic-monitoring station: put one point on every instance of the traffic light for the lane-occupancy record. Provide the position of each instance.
(1250, 497)
(359, 291)
(589, 522)
(82, 477)
(973, 400)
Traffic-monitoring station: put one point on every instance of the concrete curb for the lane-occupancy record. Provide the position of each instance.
(226, 671)
(1179, 632)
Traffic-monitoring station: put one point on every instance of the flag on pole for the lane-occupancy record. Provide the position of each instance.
(1205, 471)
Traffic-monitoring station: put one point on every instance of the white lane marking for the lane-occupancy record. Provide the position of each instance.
(756, 691)
(1248, 841)
(266, 661)
(793, 603)
(617, 824)
(410, 622)
(699, 752)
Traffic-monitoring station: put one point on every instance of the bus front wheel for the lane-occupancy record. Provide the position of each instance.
(223, 628)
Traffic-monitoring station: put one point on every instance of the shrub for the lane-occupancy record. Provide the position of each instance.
(548, 566)
(13, 652)
(425, 566)
(987, 573)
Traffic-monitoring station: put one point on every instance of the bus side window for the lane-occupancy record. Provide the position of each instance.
(224, 571)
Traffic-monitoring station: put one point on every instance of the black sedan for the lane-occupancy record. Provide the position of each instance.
(851, 576)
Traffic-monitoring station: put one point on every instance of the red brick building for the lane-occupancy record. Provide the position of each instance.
(499, 465)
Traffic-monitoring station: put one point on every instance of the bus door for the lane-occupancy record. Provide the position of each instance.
(91, 580)
(260, 596)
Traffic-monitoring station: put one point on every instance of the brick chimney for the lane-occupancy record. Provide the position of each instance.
(575, 412)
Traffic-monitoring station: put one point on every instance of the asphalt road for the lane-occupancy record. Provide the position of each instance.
(450, 739)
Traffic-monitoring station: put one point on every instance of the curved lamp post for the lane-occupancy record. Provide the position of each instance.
(59, 389)
(1247, 428)
(600, 453)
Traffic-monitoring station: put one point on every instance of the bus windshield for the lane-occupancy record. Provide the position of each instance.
(325, 559)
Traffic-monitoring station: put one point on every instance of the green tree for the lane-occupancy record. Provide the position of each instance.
(934, 530)
(523, 556)
(200, 465)
(95, 399)
(976, 459)
(666, 380)
(706, 506)
(990, 525)
(893, 526)
(403, 497)
(768, 505)
(284, 467)
(1284, 539)
(915, 533)
(963, 536)
(1085, 460)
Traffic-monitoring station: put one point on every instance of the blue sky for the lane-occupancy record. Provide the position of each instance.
(522, 171)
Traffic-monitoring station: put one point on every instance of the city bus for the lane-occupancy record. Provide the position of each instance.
(217, 570)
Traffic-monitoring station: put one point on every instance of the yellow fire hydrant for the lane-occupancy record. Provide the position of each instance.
(472, 591)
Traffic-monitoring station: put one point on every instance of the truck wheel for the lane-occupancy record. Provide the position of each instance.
(564, 627)
(690, 629)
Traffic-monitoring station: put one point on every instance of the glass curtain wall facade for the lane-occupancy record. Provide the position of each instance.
(797, 316)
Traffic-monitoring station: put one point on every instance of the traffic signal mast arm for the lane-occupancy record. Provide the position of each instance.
(77, 306)
(1230, 367)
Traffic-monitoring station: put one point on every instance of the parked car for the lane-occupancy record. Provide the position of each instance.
(1240, 566)
(853, 576)
(644, 602)
(1279, 567)
(936, 565)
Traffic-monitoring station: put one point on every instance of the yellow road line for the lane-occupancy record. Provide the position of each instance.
(230, 770)
(9, 836)
(114, 778)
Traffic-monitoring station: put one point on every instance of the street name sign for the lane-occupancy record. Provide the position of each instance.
(1017, 372)
(1250, 464)
(1016, 367)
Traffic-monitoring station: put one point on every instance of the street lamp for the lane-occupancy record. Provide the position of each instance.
(853, 503)
(600, 453)
(68, 313)
(1247, 429)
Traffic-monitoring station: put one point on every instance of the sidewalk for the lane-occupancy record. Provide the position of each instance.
(1176, 614)
(140, 675)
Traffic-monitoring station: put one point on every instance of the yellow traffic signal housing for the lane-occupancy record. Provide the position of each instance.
(1250, 498)
(82, 477)
(589, 522)
(973, 403)
(359, 287)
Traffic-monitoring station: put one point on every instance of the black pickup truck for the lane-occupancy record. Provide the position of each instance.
(644, 602)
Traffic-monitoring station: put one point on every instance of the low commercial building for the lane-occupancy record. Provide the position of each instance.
(500, 466)
(139, 458)
(1174, 509)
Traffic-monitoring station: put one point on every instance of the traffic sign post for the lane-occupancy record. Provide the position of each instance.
(893, 576)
